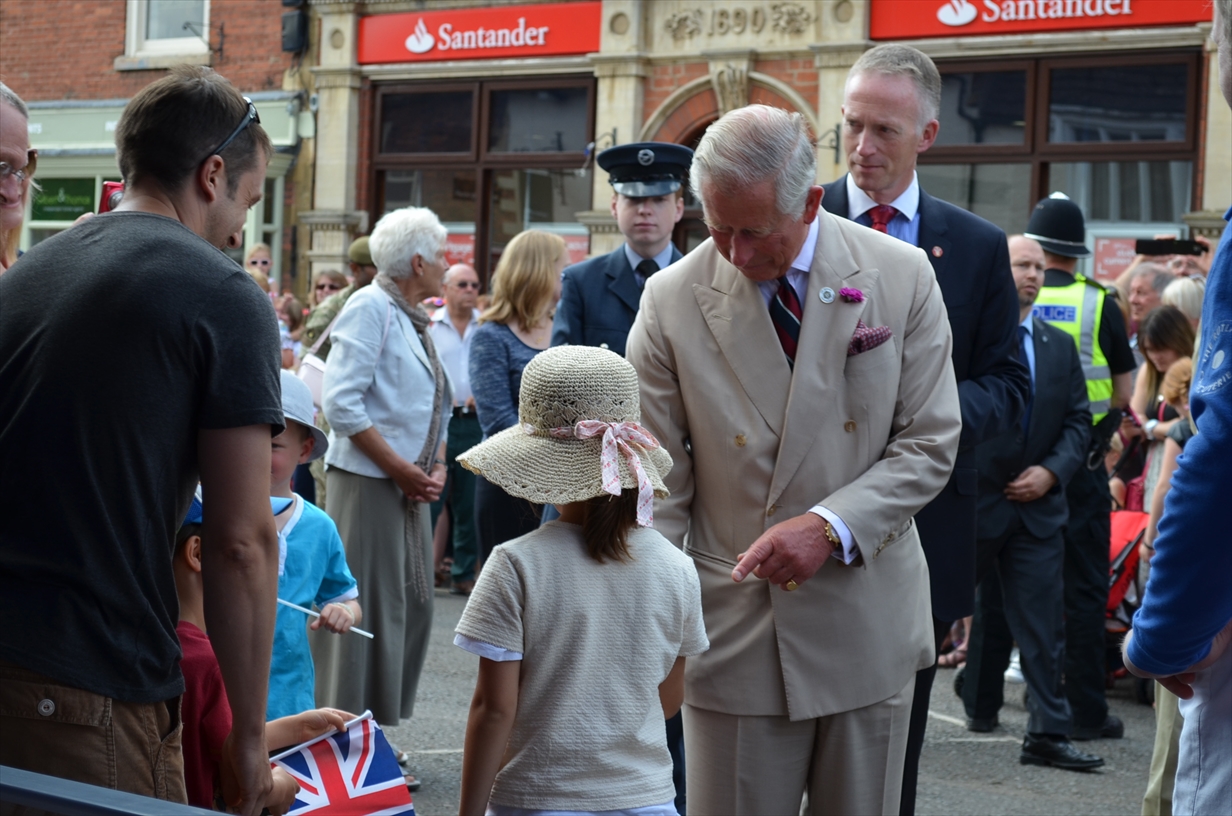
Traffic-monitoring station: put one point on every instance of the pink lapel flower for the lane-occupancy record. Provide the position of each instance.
(851, 295)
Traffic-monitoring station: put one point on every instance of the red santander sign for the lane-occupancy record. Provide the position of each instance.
(909, 19)
(542, 30)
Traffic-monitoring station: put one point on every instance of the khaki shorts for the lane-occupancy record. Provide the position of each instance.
(50, 728)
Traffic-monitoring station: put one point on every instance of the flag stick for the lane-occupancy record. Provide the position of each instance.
(310, 613)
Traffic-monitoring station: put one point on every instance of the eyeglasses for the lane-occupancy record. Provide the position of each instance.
(259, 262)
(333, 287)
(249, 118)
(24, 173)
(467, 285)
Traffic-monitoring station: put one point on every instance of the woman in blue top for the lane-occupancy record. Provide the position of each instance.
(516, 326)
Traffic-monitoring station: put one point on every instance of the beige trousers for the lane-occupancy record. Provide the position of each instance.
(849, 763)
(1157, 801)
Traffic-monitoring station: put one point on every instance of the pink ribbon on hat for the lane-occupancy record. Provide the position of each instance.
(617, 437)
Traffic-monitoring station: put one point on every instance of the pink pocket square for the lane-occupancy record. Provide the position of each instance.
(866, 339)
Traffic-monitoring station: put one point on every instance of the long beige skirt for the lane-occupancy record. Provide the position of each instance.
(355, 673)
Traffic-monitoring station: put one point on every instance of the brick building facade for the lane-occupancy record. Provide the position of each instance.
(76, 63)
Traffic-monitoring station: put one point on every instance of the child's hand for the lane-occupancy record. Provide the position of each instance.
(336, 617)
(312, 724)
(282, 796)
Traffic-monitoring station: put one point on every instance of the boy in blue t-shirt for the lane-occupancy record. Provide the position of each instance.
(312, 566)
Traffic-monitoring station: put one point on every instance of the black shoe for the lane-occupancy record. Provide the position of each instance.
(1112, 728)
(981, 725)
(1063, 754)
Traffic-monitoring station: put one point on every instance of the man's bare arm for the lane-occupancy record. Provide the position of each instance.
(239, 553)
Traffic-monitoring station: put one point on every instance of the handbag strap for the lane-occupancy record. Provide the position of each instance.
(320, 340)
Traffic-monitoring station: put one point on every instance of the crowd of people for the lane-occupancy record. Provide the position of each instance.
(651, 474)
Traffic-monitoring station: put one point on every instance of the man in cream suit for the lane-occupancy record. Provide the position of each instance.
(797, 367)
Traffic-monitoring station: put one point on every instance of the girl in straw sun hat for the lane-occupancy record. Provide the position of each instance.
(581, 626)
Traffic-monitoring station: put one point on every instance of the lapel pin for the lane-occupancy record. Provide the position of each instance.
(938, 252)
(827, 295)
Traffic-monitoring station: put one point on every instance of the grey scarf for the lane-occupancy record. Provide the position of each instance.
(414, 541)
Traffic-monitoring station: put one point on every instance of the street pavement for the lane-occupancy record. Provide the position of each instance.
(961, 773)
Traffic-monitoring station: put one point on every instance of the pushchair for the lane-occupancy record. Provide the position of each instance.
(1124, 593)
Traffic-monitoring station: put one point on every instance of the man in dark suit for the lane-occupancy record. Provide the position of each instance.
(599, 296)
(890, 108)
(1020, 555)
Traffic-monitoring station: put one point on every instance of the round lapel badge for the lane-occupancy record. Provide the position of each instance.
(826, 295)
(645, 157)
(937, 252)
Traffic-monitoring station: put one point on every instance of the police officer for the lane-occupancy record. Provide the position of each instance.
(599, 296)
(1084, 310)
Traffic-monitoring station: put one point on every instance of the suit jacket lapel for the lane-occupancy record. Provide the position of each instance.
(821, 357)
(934, 234)
(740, 322)
(1043, 362)
(835, 199)
(621, 282)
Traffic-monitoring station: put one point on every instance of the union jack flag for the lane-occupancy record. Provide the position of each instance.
(348, 774)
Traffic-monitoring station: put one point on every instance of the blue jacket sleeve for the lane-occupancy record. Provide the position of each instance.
(567, 325)
(997, 385)
(1189, 595)
(490, 366)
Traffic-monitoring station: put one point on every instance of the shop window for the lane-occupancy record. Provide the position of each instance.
(984, 107)
(1116, 133)
(160, 33)
(491, 159)
(991, 191)
(54, 208)
(1120, 103)
(551, 120)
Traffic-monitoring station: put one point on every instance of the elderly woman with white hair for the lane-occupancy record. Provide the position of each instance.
(386, 397)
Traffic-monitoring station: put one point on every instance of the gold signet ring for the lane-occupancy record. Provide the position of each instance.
(791, 586)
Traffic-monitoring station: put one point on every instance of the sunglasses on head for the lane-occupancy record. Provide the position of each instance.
(250, 117)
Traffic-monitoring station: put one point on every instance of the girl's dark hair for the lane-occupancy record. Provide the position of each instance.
(1166, 327)
(608, 521)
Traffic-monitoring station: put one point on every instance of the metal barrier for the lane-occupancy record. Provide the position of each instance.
(71, 798)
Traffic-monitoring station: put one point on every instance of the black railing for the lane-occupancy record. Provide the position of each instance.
(70, 798)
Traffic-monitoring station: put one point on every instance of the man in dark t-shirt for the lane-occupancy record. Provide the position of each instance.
(136, 359)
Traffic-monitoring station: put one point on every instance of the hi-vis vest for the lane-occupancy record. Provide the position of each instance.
(1078, 310)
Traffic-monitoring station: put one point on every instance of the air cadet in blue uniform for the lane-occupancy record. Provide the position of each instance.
(599, 296)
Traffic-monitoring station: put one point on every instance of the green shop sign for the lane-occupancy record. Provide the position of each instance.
(63, 199)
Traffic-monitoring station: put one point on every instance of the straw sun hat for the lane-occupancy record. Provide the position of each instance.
(577, 417)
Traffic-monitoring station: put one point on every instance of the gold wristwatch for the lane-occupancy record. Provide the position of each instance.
(833, 537)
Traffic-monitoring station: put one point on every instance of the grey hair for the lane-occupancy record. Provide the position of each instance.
(755, 144)
(7, 95)
(1186, 295)
(1160, 276)
(1225, 17)
(893, 59)
(401, 235)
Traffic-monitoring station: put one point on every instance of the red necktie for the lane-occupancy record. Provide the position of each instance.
(785, 313)
(882, 215)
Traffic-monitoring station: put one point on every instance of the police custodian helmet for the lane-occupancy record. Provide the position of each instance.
(1057, 224)
(646, 169)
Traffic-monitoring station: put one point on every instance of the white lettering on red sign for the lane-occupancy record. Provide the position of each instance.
(959, 13)
(421, 42)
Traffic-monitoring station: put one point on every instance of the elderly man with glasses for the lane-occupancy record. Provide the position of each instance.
(17, 165)
(103, 444)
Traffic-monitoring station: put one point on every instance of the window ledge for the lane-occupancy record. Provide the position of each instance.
(149, 62)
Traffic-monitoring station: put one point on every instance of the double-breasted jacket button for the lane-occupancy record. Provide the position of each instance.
(46, 707)
(740, 440)
(849, 426)
(770, 510)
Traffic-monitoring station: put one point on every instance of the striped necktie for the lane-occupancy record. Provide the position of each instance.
(785, 313)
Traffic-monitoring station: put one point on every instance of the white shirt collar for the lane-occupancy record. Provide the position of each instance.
(804, 261)
(859, 203)
(1028, 324)
(441, 315)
